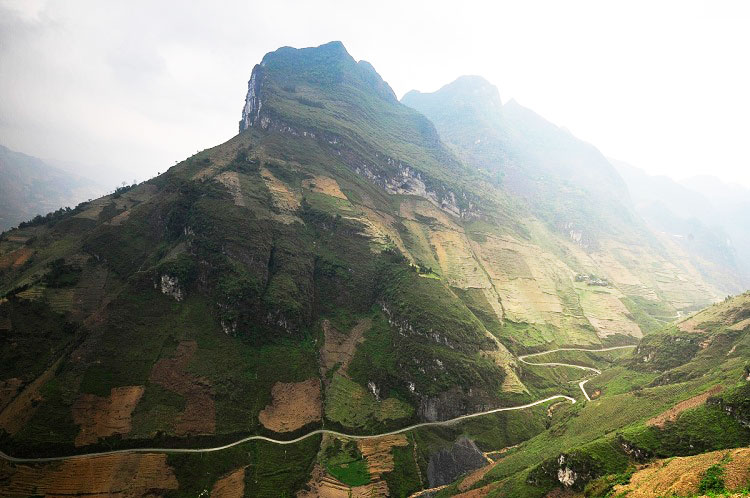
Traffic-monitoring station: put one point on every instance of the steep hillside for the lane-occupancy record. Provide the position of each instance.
(566, 184)
(683, 391)
(335, 265)
(267, 285)
(30, 187)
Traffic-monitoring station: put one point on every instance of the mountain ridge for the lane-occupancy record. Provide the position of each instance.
(338, 264)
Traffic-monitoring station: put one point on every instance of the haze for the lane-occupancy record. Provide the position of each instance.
(123, 90)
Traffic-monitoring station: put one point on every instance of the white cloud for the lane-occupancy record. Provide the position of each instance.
(137, 85)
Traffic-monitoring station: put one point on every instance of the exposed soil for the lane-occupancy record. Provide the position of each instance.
(325, 185)
(673, 413)
(231, 485)
(122, 475)
(737, 470)
(476, 476)
(199, 416)
(375, 488)
(231, 180)
(681, 476)
(741, 325)
(15, 258)
(479, 474)
(477, 493)
(101, 417)
(120, 218)
(322, 485)
(377, 452)
(22, 407)
(294, 405)
(283, 197)
(339, 348)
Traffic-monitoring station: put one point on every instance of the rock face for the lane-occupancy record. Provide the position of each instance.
(171, 287)
(736, 404)
(570, 470)
(446, 465)
(251, 109)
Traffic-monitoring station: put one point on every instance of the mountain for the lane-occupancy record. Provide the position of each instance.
(340, 264)
(574, 190)
(672, 416)
(699, 224)
(732, 209)
(30, 187)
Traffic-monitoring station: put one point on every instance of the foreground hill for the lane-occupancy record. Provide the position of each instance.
(335, 265)
(684, 391)
(31, 187)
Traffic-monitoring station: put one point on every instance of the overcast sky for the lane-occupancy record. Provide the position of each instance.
(130, 87)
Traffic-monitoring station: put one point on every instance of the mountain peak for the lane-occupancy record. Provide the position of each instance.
(328, 67)
(466, 91)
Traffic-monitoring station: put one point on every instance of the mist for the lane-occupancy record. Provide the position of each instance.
(123, 90)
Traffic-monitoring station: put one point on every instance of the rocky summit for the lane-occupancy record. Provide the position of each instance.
(361, 296)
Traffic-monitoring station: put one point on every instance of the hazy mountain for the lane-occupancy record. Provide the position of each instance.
(707, 218)
(732, 208)
(29, 187)
(338, 265)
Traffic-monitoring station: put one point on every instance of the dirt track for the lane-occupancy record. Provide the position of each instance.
(673, 413)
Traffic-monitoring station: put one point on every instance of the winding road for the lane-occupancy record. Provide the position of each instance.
(521, 358)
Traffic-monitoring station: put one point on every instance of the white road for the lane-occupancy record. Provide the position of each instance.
(341, 434)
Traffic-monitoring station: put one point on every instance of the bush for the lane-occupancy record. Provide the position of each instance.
(713, 480)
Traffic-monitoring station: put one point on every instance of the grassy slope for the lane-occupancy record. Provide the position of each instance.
(634, 391)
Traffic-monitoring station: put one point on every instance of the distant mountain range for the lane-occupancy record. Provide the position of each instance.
(29, 186)
(705, 216)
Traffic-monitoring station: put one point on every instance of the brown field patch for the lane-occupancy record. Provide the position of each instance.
(737, 470)
(15, 258)
(322, 485)
(231, 180)
(741, 325)
(18, 411)
(476, 476)
(120, 218)
(377, 453)
(231, 485)
(101, 417)
(199, 416)
(477, 493)
(673, 413)
(325, 185)
(375, 488)
(294, 405)
(111, 475)
(283, 197)
(681, 476)
(339, 348)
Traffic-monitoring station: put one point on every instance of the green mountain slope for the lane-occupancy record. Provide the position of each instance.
(335, 265)
(570, 187)
(30, 187)
(683, 391)
(246, 268)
